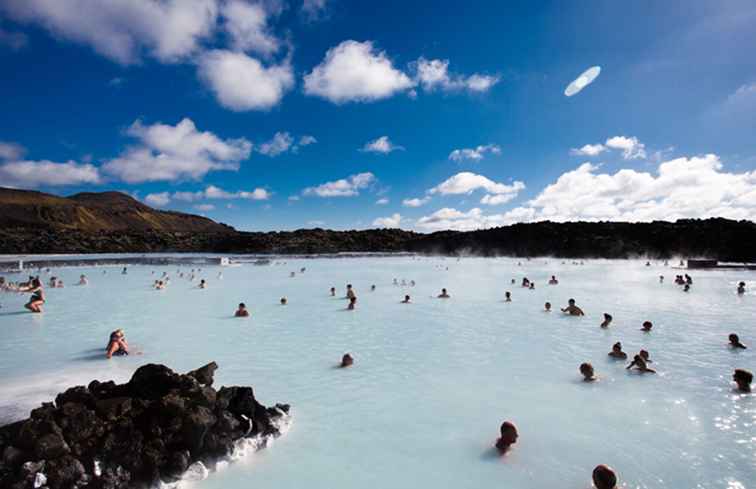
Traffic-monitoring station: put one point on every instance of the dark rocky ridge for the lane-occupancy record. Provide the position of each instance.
(33, 222)
(109, 436)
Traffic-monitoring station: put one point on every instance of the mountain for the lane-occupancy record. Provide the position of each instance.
(93, 213)
(113, 222)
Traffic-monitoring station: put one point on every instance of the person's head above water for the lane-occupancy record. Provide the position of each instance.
(508, 436)
(617, 347)
(587, 370)
(743, 378)
(604, 477)
(571, 302)
(346, 360)
(735, 341)
(283, 301)
(547, 306)
(647, 325)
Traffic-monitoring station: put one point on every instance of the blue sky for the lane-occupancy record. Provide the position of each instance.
(424, 115)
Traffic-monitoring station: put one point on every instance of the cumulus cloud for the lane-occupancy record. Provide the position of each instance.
(416, 202)
(159, 199)
(25, 173)
(382, 201)
(166, 152)
(434, 75)
(307, 140)
(124, 30)
(280, 143)
(242, 83)
(391, 221)
(355, 72)
(467, 182)
(381, 145)
(450, 218)
(345, 187)
(11, 151)
(589, 150)
(475, 154)
(630, 146)
(247, 26)
(498, 199)
(209, 193)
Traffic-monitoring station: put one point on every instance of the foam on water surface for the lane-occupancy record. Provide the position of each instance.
(432, 380)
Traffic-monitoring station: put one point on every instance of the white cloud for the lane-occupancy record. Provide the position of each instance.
(450, 218)
(381, 145)
(382, 201)
(280, 143)
(346, 187)
(434, 74)
(242, 83)
(416, 202)
(391, 221)
(313, 10)
(307, 140)
(11, 151)
(475, 154)
(467, 182)
(204, 207)
(247, 26)
(122, 30)
(158, 200)
(631, 147)
(293, 198)
(355, 72)
(589, 150)
(168, 152)
(24, 173)
(498, 199)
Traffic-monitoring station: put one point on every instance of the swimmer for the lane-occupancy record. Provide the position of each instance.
(648, 263)
(743, 378)
(735, 342)
(372, 288)
(406, 300)
(124, 272)
(396, 282)
(333, 291)
(53, 282)
(292, 274)
(38, 295)
(553, 280)
(686, 288)
(513, 281)
(283, 301)
(688, 279)
(572, 309)
(203, 284)
(160, 285)
(604, 477)
(509, 435)
(661, 279)
(59, 284)
(645, 356)
(640, 364)
(242, 311)
(349, 292)
(587, 370)
(647, 325)
(444, 294)
(607, 320)
(412, 283)
(525, 282)
(532, 285)
(352, 302)
(741, 288)
(346, 361)
(83, 280)
(507, 296)
(117, 344)
(547, 307)
(617, 352)
(302, 270)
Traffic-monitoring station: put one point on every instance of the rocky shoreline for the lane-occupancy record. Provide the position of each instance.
(136, 435)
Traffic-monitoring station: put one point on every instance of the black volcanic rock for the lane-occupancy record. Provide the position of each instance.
(109, 436)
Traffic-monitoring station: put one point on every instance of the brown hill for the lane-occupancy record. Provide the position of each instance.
(94, 212)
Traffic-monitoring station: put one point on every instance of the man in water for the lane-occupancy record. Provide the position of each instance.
(607, 320)
(242, 311)
(444, 294)
(604, 477)
(509, 435)
(507, 296)
(350, 292)
(617, 352)
(743, 378)
(661, 279)
(553, 280)
(647, 325)
(735, 342)
(333, 291)
(640, 364)
(547, 307)
(406, 300)
(572, 309)
(117, 344)
(587, 370)
(741, 288)
(203, 284)
(346, 361)
(284, 301)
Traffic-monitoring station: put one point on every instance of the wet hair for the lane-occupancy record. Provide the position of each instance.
(283, 300)
(571, 301)
(406, 297)
(643, 354)
(604, 477)
(734, 338)
(742, 375)
(586, 369)
(617, 346)
(608, 316)
(547, 305)
(241, 304)
(647, 325)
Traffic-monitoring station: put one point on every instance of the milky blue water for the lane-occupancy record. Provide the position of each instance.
(432, 380)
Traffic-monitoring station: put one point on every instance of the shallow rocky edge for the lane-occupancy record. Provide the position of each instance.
(141, 434)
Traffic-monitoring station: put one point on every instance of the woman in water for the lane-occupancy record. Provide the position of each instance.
(38, 296)
(346, 361)
(735, 342)
(117, 344)
(743, 378)
(617, 352)
(572, 309)
(509, 435)
(242, 311)
(607, 320)
(640, 364)
(587, 370)
(604, 477)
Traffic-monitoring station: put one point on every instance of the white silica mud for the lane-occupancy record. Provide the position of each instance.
(432, 380)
